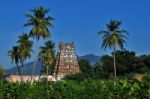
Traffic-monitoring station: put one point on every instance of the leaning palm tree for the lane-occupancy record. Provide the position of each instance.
(40, 24)
(15, 56)
(47, 52)
(113, 37)
(25, 48)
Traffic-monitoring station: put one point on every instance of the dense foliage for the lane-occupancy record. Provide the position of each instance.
(90, 89)
(126, 62)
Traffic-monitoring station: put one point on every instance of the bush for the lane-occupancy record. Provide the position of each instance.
(68, 89)
(78, 77)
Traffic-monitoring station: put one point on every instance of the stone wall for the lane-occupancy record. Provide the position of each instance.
(27, 78)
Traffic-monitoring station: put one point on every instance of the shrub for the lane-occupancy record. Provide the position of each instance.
(68, 89)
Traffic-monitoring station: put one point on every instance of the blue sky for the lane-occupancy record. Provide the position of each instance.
(77, 21)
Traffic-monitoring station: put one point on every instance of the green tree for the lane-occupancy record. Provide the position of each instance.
(107, 63)
(25, 48)
(112, 37)
(145, 59)
(40, 24)
(47, 52)
(101, 70)
(15, 56)
(125, 61)
(85, 66)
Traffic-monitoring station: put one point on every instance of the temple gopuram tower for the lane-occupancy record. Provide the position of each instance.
(66, 60)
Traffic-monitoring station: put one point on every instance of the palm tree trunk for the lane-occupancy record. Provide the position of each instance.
(33, 68)
(25, 71)
(47, 74)
(18, 69)
(40, 73)
(47, 79)
(25, 68)
(22, 63)
(114, 57)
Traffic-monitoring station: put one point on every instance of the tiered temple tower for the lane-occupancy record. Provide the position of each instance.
(66, 60)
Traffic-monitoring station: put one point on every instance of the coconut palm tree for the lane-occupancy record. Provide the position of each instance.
(15, 56)
(113, 37)
(40, 24)
(47, 52)
(25, 48)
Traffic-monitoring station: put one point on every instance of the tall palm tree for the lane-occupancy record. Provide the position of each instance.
(40, 24)
(25, 48)
(113, 37)
(47, 52)
(15, 56)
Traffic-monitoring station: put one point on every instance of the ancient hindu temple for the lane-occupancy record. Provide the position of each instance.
(66, 63)
(66, 60)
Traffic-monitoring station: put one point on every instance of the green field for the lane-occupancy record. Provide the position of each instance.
(71, 89)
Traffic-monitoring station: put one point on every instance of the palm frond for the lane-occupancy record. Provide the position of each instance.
(39, 22)
(103, 32)
(113, 35)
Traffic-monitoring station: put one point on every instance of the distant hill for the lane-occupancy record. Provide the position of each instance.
(28, 68)
(91, 57)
